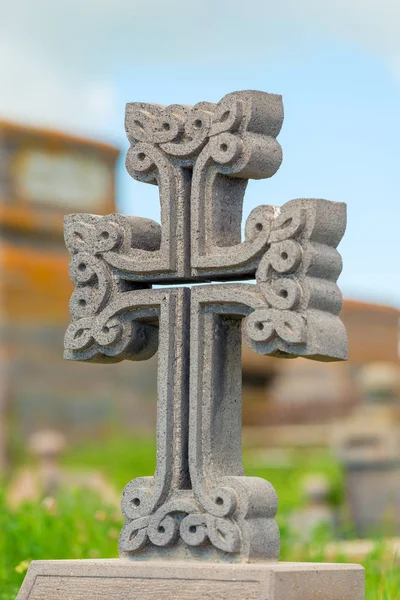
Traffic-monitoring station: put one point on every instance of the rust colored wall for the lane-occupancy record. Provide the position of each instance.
(302, 391)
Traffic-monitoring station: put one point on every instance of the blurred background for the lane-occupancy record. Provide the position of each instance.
(326, 435)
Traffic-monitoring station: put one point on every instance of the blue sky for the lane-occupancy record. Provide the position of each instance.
(336, 63)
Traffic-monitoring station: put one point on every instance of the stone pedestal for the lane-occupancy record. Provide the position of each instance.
(118, 579)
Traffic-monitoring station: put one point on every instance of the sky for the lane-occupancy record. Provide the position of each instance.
(74, 65)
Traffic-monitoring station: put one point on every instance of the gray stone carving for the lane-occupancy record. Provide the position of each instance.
(199, 504)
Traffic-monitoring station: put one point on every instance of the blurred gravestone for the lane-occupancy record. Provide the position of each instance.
(317, 515)
(199, 516)
(46, 478)
(368, 444)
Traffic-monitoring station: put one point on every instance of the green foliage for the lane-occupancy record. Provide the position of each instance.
(71, 526)
(119, 458)
(77, 525)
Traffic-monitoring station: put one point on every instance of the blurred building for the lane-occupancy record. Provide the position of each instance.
(305, 391)
(44, 175)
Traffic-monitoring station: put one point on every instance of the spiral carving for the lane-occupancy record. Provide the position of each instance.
(265, 324)
(94, 333)
(296, 277)
(182, 131)
(92, 279)
(239, 133)
(180, 519)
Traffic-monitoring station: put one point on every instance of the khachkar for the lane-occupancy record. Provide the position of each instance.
(199, 516)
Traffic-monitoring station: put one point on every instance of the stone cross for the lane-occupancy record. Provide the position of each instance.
(199, 504)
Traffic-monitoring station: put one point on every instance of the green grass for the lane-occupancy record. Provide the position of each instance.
(79, 526)
(73, 526)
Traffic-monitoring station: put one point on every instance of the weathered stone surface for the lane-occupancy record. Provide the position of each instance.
(199, 504)
(201, 158)
(151, 580)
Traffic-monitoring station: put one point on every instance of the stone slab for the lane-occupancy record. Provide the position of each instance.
(119, 579)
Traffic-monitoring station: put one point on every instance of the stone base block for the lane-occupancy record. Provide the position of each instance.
(153, 580)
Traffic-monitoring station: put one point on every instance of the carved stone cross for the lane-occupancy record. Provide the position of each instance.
(199, 504)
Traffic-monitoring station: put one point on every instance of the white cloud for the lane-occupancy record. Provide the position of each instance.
(58, 59)
(36, 92)
(371, 24)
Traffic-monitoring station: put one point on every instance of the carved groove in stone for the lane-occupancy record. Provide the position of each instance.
(199, 504)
